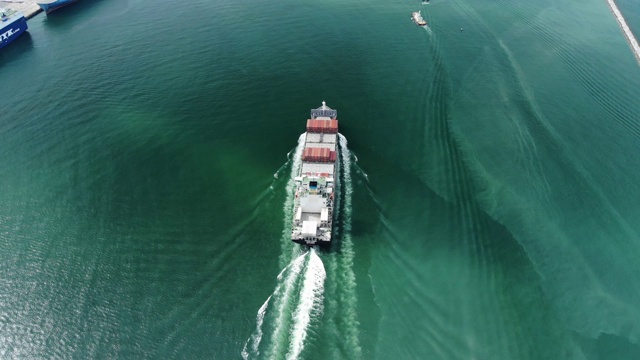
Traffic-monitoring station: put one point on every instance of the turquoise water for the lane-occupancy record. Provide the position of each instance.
(488, 196)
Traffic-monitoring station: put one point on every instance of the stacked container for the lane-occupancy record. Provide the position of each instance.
(316, 154)
(322, 126)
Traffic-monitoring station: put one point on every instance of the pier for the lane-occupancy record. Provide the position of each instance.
(27, 7)
(633, 43)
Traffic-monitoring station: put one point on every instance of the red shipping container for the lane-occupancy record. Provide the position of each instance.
(313, 125)
(332, 126)
(322, 126)
(317, 155)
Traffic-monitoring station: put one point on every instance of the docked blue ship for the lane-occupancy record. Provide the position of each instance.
(51, 5)
(12, 24)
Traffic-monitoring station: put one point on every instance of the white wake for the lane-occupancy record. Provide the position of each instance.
(257, 335)
(633, 43)
(311, 298)
(282, 292)
(347, 278)
(287, 251)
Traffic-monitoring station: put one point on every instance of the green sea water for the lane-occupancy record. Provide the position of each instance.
(488, 204)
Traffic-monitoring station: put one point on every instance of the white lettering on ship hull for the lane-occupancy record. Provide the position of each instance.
(6, 34)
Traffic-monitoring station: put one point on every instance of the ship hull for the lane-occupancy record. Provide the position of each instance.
(417, 19)
(11, 30)
(52, 6)
(315, 191)
(324, 244)
(321, 243)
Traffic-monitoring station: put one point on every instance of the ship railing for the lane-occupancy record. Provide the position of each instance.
(330, 113)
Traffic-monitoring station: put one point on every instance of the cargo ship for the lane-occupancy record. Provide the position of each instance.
(50, 5)
(12, 25)
(316, 179)
(417, 18)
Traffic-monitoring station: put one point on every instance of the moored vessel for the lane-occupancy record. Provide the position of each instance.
(12, 25)
(416, 17)
(50, 5)
(315, 182)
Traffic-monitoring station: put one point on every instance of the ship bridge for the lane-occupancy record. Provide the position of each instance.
(324, 112)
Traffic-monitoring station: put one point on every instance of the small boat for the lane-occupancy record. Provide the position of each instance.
(416, 17)
(425, 2)
(50, 5)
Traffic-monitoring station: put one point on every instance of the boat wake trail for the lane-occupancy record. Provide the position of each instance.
(255, 339)
(310, 304)
(296, 301)
(340, 312)
(287, 251)
(346, 278)
(633, 43)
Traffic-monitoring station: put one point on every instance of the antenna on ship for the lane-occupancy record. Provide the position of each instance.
(324, 105)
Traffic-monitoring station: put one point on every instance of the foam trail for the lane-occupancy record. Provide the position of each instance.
(289, 158)
(360, 170)
(257, 336)
(276, 174)
(292, 275)
(310, 303)
(289, 284)
(347, 277)
(633, 43)
(276, 177)
(287, 251)
(331, 263)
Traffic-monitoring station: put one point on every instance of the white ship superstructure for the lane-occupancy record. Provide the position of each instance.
(417, 18)
(315, 182)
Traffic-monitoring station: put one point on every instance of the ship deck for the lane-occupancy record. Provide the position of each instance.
(315, 181)
(28, 8)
